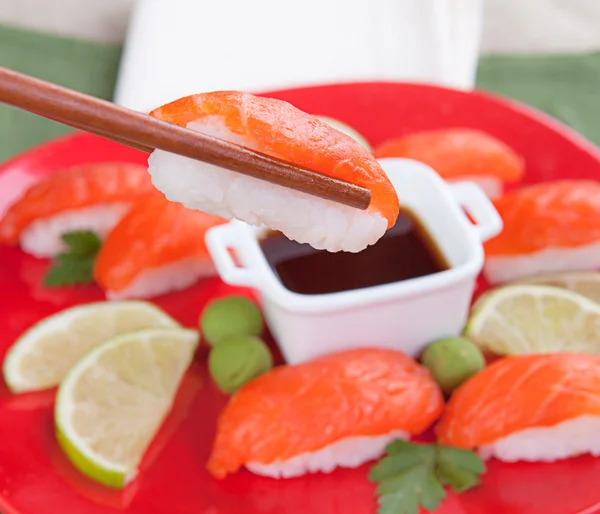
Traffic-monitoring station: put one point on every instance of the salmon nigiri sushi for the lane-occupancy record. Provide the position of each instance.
(552, 226)
(156, 248)
(90, 197)
(338, 410)
(276, 128)
(528, 407)
(460, 154)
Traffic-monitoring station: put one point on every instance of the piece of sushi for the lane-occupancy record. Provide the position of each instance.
(338, 410)
(460, 154)
(528, 407)
(156, 248)
(276, 128)
(552, 226)
(90, 197)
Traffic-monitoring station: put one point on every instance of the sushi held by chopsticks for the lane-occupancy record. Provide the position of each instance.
(275, 128)
(291, 171)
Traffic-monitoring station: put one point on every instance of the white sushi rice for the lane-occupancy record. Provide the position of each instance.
(493, 187)
(42, 238)
(307, 219)
(505, 269)
(350, 452)
(172, 277)
(576, 436)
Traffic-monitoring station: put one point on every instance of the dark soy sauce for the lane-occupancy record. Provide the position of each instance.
(405, 251)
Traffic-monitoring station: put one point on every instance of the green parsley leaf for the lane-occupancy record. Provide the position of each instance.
(400, 495)
(82, 244)
(458, 468)
(76, 265)
(402, 456)
(413, 475)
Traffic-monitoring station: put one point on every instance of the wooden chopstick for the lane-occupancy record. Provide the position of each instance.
(146, 133)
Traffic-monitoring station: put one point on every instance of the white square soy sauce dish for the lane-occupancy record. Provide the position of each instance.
(405, 315)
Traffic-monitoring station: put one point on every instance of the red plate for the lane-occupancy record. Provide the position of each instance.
(35, 478)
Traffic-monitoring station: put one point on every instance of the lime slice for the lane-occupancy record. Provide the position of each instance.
(114, 400)
(586, 283)
(44, 354)
(521, 319)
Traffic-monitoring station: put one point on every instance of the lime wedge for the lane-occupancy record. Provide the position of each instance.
(44, 354)
(114, 400)
(586, 283)
(522, 319)
(346, 129)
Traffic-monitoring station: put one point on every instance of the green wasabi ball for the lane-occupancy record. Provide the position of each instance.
(230, 316)
(237, 360)
(451, 361)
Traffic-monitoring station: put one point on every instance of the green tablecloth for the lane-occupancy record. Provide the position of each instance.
(565, 86)
(88, 67)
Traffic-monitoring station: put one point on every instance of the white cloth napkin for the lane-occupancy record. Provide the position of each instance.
(179, 47)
